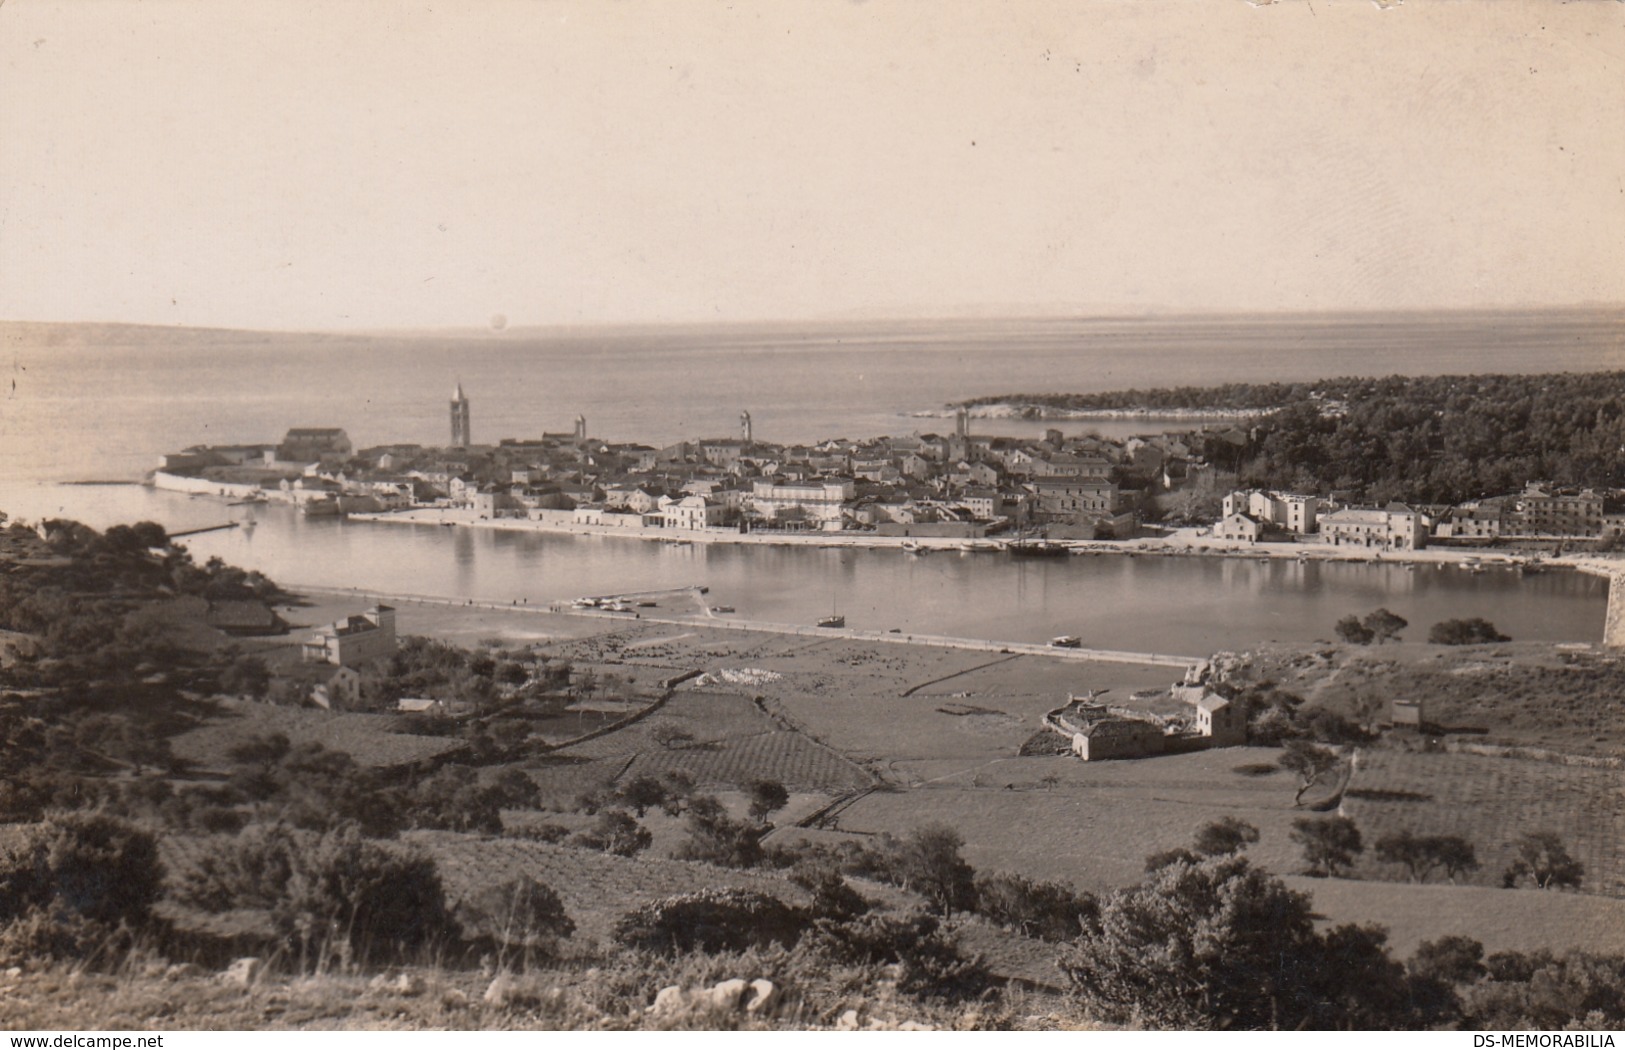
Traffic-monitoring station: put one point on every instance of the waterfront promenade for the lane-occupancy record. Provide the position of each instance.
(1190, 541)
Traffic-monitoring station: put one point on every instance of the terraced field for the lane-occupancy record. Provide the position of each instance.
(1491, 802)
(733, 743)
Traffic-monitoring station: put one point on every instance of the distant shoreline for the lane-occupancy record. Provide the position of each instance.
(1026, 410)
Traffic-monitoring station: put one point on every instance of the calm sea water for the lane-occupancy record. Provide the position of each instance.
(1187, 606)
(107, 406)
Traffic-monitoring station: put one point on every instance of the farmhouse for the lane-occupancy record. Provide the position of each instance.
(1117, 738)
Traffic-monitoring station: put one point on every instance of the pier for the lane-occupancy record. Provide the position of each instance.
(206, 528)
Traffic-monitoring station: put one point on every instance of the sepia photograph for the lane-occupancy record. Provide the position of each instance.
(620, 516)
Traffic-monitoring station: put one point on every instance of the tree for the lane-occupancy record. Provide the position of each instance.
(1224, 836)
(1408, 850)
(246, 676)
(1384, 625)
(1455, 854)
(643, 793)
(1329, 844)
(1543, 860)
(929, 863)
(615, 831)
(1352, 631)
(1310, 762)
(1474, 631)
(1421, 854)
(766, 798)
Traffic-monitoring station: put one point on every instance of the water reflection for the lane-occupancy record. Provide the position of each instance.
(1171, 604)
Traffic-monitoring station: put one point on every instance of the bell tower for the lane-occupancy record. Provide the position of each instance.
(459, 419)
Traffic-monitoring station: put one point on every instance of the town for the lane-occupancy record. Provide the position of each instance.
(1029, 496)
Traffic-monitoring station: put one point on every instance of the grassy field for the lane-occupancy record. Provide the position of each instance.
(1491, 802)
(1502, 920)
(369, 739)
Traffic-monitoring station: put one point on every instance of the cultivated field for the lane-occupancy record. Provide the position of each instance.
(1491, 802)
(733, 743)
(369, 739)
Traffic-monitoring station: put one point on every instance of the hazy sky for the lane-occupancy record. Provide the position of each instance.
(322, 164)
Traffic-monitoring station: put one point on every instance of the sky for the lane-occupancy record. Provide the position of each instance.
(333, 164)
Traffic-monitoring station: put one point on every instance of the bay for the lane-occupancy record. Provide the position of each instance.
(1178, 605)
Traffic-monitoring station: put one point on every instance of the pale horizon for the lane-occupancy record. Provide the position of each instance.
(293, 166)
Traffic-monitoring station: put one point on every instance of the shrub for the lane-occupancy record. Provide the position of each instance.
(520, 913)
(931, 964)
(1048, 911)
(1352, 631)
(710, 921)
(1474, 631)
(1220, 944)
(87, 864)
(372, 903)
(716, 838)
(334, 896)
(615, 831)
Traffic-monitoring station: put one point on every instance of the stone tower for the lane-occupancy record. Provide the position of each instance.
(459, 419)
(581, 429)
(962, 423)
(744, 427)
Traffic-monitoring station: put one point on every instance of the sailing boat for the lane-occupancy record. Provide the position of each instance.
(834, 619)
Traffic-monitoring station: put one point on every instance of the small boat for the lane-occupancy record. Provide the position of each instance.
(1066, 641)
(646, 605)
(722, 608)
(914, 548)
(1041, 549)
(836, 620)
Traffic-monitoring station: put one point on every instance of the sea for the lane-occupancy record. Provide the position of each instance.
(101, 403)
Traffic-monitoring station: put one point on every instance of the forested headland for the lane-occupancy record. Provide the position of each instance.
(1429, 439)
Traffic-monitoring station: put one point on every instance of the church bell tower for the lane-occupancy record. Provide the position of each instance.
(459, 419)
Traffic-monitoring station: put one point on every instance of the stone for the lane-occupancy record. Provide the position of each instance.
(763, 996)
(668, 1001)
(409, 984)
(15, 971)
(244, 972)
(505, 991)
(726, 994)
(180, 971)
(847, 1022)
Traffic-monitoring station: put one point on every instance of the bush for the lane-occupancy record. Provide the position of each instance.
(338, 896)
(615, 831)
(931, 964)
(1474, 631)
(1048, 911)
(88, 864)
(1218, 943)
(521, 913)
(716, 838)
(711, 921)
